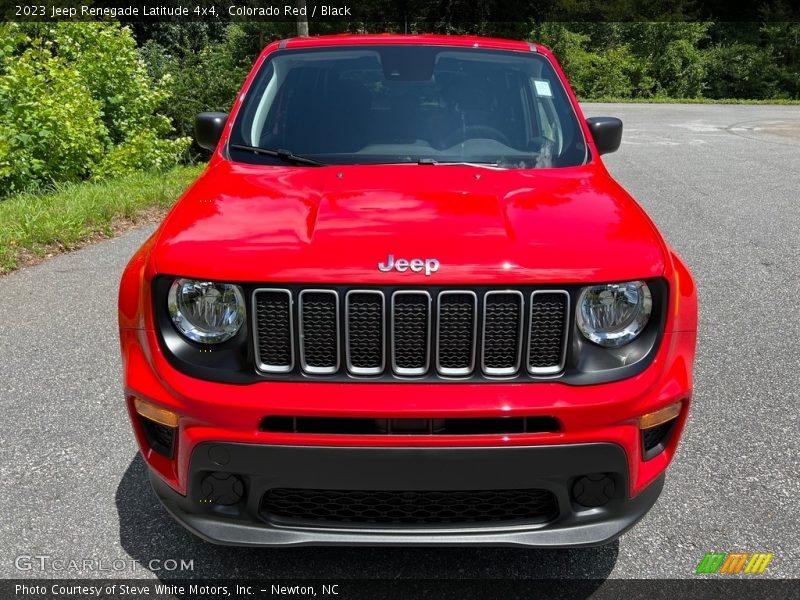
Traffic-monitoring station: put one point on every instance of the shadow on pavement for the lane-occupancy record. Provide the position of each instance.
(148, 533)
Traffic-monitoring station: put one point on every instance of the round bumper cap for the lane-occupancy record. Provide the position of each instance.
(222, 488)
(594, 490)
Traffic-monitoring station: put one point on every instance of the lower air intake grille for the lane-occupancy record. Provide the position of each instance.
(410, 508)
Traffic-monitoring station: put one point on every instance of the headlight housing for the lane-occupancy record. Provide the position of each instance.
(205, 311)
(613, 314)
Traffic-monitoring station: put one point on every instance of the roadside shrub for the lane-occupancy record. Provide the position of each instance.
(608, 71)
(50, 125)
(679, 70)
(76, 101)
(567, 45)
(106, 58)
(782, 39)
(741, 71)
(207, 80)
(204, 79)
(143, 151)
(608, 74)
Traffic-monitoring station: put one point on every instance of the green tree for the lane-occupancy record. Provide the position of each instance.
(50, 126)
(77, 101)
(741, 71)
(209, 78)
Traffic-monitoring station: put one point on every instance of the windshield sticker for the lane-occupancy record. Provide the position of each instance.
(543, 88)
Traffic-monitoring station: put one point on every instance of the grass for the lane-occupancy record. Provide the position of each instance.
(34, 226)
(780, 101)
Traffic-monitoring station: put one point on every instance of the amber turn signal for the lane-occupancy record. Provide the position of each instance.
(154, 413)
(660, 416)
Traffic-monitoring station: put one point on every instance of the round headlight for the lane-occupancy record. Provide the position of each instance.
(614, 314)
(205, 311)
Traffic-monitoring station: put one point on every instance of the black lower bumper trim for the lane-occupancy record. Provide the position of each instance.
(553, 469)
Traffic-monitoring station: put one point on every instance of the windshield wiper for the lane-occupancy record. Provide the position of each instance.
(284, 155)
(432, 161)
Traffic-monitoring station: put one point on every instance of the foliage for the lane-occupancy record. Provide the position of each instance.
(93, 100)
(178, 38)
(50, 127)
(741, 71)
(145, 150)
(76, 101)
(681, 60)
(634, 60)
(199, 81)
(207, 78)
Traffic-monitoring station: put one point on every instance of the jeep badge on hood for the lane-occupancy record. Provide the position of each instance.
(429, 265)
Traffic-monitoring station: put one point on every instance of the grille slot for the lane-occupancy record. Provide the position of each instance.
(364, 332)
(409, 508)
(319, 331)
(456, 332)
(502, 333)
(273, 330)
(548, 331)
(411, 332)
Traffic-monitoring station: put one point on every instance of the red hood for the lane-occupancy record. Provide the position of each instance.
(334, 224)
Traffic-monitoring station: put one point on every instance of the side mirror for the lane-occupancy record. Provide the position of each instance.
(208, 128)
(607, 133)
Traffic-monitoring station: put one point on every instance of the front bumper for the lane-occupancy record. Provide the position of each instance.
(261, 468)
(598, 433)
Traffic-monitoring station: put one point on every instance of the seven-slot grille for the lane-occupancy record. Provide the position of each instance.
(451, 333)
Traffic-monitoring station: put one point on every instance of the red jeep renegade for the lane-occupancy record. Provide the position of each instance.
(406, 304)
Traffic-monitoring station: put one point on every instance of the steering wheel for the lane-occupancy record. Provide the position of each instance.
(476, 131)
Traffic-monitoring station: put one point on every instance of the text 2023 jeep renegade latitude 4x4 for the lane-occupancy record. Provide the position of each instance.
(406, 304)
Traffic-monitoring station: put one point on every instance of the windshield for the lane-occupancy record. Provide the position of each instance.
(409, 104)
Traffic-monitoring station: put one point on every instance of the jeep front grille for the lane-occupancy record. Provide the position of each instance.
(410, 333)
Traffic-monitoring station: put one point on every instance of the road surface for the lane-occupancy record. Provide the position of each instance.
(722, 184)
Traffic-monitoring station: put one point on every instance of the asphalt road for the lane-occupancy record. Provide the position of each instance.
(722, 184)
